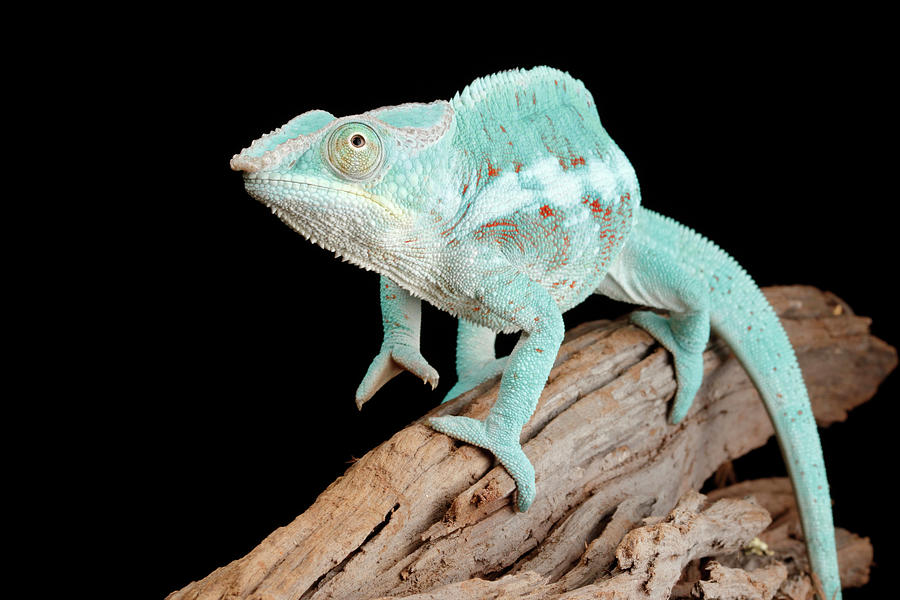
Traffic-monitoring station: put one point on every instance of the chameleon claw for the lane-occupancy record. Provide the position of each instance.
(412, 360)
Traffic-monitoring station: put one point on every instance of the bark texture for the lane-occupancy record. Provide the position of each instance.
(617, 513)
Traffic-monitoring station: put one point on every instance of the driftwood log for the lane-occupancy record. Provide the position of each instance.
(617, 514)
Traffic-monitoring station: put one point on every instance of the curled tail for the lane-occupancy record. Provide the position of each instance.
(667, 265)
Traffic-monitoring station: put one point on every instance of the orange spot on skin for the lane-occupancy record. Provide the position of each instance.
(503, 129)
(505, 222)
(492, 170)
(538, 350)
(597, 210)
(546, 211)
(518, 166)
(578, 161)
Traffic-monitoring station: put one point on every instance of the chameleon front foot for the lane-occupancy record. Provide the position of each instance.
(687, 351)
(389, 363)
(503, 443)
(475, 377)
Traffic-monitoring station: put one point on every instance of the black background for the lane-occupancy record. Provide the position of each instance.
(235, 346)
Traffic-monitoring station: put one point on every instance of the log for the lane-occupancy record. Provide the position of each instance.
(425, 516)
(783, 544)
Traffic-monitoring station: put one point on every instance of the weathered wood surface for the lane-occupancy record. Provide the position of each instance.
(423, 515)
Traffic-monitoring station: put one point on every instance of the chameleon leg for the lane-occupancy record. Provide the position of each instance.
(684, 335)
(475, 358)
(526, 305)
(646, 276)
(401, 318)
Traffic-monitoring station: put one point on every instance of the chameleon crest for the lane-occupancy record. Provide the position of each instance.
(506, 206)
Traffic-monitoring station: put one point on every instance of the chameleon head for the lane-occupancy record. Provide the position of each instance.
(354, 185)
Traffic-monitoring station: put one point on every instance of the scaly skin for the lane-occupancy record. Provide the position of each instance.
(505, 207)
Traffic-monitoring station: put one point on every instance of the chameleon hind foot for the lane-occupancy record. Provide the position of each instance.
(475, 377)
(503, 443)
(390, 362)
(685, 337)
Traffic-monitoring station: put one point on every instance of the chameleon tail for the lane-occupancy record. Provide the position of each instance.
(740, 314)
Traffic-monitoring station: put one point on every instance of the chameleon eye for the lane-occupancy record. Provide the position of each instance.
(354, 150)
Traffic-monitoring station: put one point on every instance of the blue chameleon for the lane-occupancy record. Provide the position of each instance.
(507, 206)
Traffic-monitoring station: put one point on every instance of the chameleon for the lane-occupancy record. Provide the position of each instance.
(506, 206)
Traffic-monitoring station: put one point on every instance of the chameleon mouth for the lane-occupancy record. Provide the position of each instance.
(259, 186)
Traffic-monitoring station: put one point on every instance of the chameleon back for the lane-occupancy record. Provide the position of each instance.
(541, 180)
(512, 119)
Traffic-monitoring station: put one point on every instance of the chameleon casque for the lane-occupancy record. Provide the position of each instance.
(505, 207)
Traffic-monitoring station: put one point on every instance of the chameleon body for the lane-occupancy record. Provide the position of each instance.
(506, 206)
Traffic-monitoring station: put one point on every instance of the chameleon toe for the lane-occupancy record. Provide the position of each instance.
(464, 429)
(412, 360)
(381, 370)
(502, 443)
